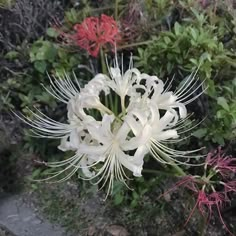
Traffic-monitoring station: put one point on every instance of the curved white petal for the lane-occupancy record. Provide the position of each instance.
(169, 134)
(135, 165)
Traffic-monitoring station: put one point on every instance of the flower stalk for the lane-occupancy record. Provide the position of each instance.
(116, 9)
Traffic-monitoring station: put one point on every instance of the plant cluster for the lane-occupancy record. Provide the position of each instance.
(119, 116)
(213, 188)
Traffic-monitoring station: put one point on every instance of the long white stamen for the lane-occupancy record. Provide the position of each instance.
(194, 98)
(183, 88)
(187, 88)
(182, 98)
(57, 130)
(169, 85)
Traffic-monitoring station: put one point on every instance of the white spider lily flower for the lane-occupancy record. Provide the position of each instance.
(157, 130)
(113, 143)
(122, 83)
(89, 95)
(109, 146)
(181, 97)
(154, 89)
(96, 86)
(90, 101)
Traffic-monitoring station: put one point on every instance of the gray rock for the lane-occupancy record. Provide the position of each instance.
(23, 220)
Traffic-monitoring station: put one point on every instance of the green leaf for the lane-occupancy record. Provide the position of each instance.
(194, 33)
(62, 54)
(72, 16)
(44, 97)
(220, 114)
(194, 61)
(11, 55)
(118, 199)
(234, 82)
(167, 40)
(134, 203)
(223, 103)
(43, 50)
(200, 133)
(177, 28)
(23, 97)
(205, 56)
(51, 32)
(40, 66)
(49, 51)
(135, 195)
(34, 186)
(218, 139)
(211, 91)
(36, 173)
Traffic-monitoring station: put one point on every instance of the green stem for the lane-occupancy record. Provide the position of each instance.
(116, 9)
(104, 109)
(123, 105)
(116, 104)
(177, 168)
(202, 226)
(103, 63)
(104, 70)
(102, 9)
(149, 171)
(135, 44)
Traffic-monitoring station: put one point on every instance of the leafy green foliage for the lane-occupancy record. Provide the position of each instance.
(223, 113)
(197, 42)
(135, 198)
(186, 47)
(46, 55)
(181, 37)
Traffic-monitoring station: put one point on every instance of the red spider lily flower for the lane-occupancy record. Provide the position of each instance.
(218, 200)
(214, 156)
(205, 200)
(230, 186)
(183, 182)
(218, 174)
(203, 204)
(94, 33)
(223, 164)
(211, 158)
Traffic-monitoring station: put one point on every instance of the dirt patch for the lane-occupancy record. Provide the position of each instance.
(84, 212)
